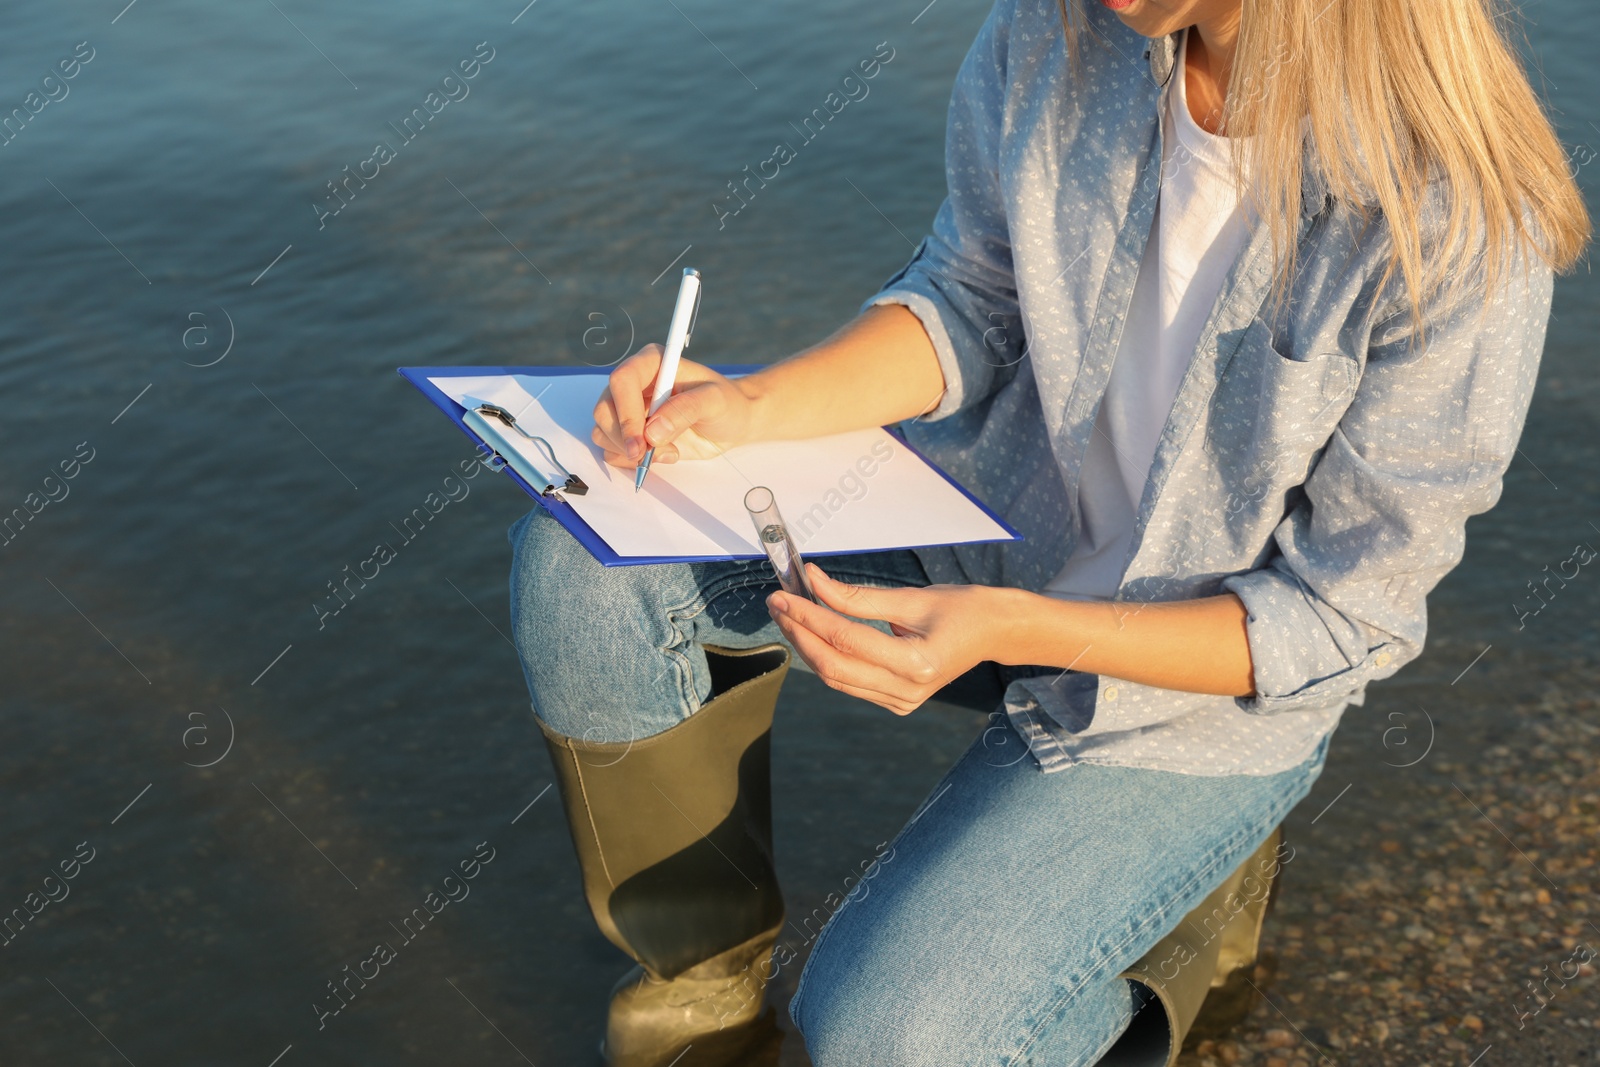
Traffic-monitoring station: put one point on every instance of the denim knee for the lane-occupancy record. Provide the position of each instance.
(855, 1007)
(853, 1010)
(835, 1024)
(597, 643)
(549, 570)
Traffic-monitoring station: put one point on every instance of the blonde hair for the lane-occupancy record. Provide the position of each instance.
(1398, 95)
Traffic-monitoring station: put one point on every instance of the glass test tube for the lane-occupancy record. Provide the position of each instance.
(775, 540)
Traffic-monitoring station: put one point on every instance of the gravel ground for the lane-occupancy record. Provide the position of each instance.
(1428, 900)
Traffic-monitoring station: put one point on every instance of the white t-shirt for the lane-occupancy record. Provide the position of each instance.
(1198, 231)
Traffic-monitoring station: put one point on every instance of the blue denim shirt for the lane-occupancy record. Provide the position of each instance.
(1316, 462)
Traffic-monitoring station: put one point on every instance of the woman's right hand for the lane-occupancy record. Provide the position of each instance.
(706, 415)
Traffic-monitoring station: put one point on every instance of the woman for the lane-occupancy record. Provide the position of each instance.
(1235, 311)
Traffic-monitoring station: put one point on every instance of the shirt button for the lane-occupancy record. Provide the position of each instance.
(1383, 659)
(1111, 692)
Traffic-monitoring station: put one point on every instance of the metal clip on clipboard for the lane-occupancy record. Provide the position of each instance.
(477, 415)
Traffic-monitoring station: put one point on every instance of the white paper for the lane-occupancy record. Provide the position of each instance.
(848, 492)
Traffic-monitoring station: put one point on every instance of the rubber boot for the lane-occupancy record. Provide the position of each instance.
(674, 838)
(1234, 992)
(1197, 979)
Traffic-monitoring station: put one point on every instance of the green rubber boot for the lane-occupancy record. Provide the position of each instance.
(1196, 980)
(674, 838)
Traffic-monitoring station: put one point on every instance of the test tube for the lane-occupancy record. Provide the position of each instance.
(776, 542)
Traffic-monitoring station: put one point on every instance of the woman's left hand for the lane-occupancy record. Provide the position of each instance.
(939, 633)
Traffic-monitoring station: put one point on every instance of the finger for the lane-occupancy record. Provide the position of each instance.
(607, 433)
(903, 655)
(900, 653)
(895, 606)
(833, 669)
(848, 675)
(664, 454)
(682, 410)
(628, 386)
(847, 635)
(894, 704)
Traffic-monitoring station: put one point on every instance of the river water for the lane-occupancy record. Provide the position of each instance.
(192, 331)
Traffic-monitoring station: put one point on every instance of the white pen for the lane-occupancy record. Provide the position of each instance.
(684, 314)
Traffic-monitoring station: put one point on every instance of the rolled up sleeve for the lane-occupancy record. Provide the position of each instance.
(960, 283)
(1424, 445)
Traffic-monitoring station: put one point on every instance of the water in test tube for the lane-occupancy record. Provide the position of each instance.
(775, 540)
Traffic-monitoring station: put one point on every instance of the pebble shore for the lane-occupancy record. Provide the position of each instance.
(1417, 918)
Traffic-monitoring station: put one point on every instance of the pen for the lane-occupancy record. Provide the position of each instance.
(684, 314)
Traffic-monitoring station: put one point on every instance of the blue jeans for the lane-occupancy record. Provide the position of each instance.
(994, 928)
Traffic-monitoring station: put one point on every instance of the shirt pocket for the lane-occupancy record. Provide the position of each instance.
(1275, 411)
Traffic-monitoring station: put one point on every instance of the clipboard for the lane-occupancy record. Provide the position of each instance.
(551, 493)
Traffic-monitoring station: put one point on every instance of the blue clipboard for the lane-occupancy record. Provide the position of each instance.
(564, 513)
